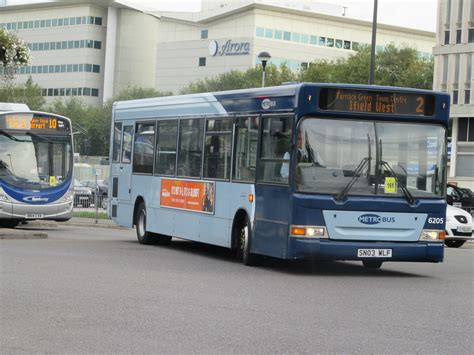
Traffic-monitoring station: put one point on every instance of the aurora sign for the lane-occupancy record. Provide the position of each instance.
(229, 48)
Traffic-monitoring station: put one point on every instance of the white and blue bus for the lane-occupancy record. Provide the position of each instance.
(328, 171)
(36, 163)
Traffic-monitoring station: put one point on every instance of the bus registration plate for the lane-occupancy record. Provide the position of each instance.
(374, 253)
(34, 215)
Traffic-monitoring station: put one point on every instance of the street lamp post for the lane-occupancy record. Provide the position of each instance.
(372, 52)
(264, 57)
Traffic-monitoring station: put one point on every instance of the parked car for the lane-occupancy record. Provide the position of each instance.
(460, 197)
(102, 190)
(458, 227)
(82, 195)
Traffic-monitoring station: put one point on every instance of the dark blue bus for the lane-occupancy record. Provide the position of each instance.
(324, 171)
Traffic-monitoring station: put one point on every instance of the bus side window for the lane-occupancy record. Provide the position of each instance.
(166, 138)
(144, 147)
(191, 133)
(217, 150)
(276, 150)
(117, 142)
(127, 144)
(246, 139)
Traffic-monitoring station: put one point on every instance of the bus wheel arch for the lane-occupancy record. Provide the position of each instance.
(242, 238)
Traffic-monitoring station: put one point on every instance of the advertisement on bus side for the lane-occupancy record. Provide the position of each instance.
(188, 195)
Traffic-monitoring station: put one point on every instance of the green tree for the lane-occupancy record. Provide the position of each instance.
(91, 124)
(28, 93)
(394, 67)
(13, 53)
(236, 79)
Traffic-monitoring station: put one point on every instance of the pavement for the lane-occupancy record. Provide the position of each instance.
(30, 233)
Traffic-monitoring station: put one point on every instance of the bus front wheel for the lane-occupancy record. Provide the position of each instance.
(10, 223)
(244, 243)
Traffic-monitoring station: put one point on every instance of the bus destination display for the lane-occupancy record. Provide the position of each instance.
(380, 102)
(34, 123)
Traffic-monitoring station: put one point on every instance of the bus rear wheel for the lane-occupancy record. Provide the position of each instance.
(372, 264)
(144, 236)
(244, 243)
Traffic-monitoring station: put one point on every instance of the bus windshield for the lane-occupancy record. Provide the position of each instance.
(343, 157)
(33, 161)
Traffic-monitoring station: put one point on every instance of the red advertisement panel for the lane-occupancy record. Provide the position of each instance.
(188, 195)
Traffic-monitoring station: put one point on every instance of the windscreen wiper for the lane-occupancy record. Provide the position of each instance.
(41, 138)
(409, 197)
(8, 135)
(357, 173)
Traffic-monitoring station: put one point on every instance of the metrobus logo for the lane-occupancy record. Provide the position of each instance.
(35, 199)
(375, 219)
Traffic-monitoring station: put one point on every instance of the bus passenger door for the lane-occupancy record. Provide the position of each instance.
(272, 213)
(121, 180)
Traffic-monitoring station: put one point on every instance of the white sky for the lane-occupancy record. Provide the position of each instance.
(420, 14)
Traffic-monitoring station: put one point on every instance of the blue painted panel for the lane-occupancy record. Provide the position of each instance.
(375, 226)
(302, 248)
(36, 197)
(272, 217)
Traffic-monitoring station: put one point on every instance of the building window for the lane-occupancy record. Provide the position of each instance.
(463, 125)
(455, 97)
(98, 21)
(446, 37)
(295, 37)
(458, 36)
(304, 38)
(330, 42)
(287, 36)
(313, 40)
(202, 61)
(445, 69)
(97, 44)
(260, 32)
(338, 43)
(467, 96)
(204, 34)
(268, 33)
(471, 35)
(322, 41)
(278, 34)
(347, 45)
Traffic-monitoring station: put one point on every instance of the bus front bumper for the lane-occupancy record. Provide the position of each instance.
(305, 248)
(56, 212)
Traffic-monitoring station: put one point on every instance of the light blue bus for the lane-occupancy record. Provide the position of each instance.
(36, 166)
(327, 171)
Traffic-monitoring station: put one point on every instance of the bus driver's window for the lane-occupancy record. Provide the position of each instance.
(275, 152)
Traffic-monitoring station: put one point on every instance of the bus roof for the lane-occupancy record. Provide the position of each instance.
(244, 101)
(10, 106)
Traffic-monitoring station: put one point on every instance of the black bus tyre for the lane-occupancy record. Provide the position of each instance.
(454, 243)
(372, 264)
(244, 243)
(143, 236)
(9, 223)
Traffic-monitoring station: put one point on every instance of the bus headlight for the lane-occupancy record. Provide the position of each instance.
(432, 235)
(68, 197)
(308, 232)
(4, 198)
